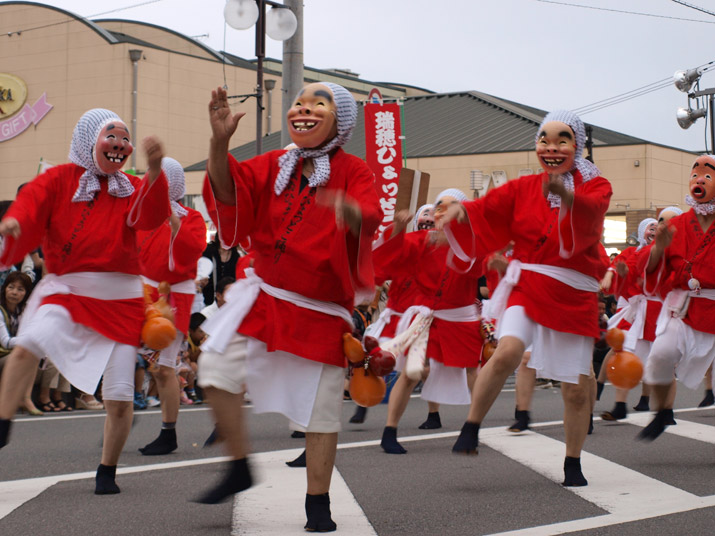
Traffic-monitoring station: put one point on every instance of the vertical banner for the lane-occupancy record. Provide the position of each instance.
(383, 151)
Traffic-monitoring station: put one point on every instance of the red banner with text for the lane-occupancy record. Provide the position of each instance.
(383, 152)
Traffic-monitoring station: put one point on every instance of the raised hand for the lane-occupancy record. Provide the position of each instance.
(347, 210)
(223, 122)
(454, 211)
(10, 227)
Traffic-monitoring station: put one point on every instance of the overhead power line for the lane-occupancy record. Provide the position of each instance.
(697, 8)
(625, 12)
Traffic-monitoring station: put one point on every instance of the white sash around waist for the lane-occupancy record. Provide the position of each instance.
(634, 313)
(573, 278)
(98, 285)
(240, 298)
(183, 287)
(676, 305)
(378, 326)
(468, 313)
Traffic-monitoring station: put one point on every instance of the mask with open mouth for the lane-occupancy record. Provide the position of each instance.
(113, 147)
(702, 188)
(85, 139)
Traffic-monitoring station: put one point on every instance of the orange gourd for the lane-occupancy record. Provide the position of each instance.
(615, 338)
(353, 348)
(158, 332)
(624, 370)
(487, 351)
(366, 388)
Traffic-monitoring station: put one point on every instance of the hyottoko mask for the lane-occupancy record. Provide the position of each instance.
(425, 218)
(312, 119)
(702, 188)
(556, 147)
(113, 147)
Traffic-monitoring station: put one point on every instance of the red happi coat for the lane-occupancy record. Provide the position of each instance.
(186, 249)
(401, 295)
(454, 344)
(566, 237)
(691, 254)
(297, 246)
(89, 236)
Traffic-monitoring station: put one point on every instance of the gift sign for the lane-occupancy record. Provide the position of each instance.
(383, 151)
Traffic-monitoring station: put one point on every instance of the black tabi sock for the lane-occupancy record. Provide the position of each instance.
(298, 462)
(4, 432)
(168, 425)
(572, 473)
(709, 399)
(237, 478)
(599, 389)
(317, 510)
(389, 441)
(433, 421)
(104, 483)
(643, 404)
(164, 444)
(359, 416)
(657, 426)
(468, 439)
(522, 421)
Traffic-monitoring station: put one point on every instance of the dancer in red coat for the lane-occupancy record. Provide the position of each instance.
(555, 220)
(310, 214)
(86, 315)
(171, 253)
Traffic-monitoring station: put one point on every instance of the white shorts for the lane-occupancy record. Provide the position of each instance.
(167, 357)
(554, 354)
(308, 393)
(82, 355)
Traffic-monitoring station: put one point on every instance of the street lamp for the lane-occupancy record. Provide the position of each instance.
(279, 23)
(684, 81)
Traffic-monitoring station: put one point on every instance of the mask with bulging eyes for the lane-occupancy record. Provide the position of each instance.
(702, 188)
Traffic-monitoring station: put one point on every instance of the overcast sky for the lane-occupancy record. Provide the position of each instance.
(547, 54)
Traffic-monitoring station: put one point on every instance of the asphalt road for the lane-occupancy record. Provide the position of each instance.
(668, 486)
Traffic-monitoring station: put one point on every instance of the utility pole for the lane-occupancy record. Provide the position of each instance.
(292, 67)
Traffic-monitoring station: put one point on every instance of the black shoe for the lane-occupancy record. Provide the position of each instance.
(104, 483)
(468, 439)
(4, 432)
(389, 441)
(522, 422)
(657, 425)
(433, 422)
(164, 444)
(643, 404)
(359, 416)
(298, 462)
(297, 434)
(213, 438)
(317, 510)
(573, 477)
(237, 478)
(709, 399)
(616, 414)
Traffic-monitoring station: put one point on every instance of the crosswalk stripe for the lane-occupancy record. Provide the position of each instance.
(274, 506)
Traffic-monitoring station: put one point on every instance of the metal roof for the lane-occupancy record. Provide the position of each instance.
(454, 124)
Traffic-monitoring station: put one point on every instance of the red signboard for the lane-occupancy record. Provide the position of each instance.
(383, 151)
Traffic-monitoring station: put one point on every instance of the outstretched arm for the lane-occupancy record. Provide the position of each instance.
(223, 125)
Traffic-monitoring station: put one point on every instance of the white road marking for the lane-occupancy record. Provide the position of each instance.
(275, 505)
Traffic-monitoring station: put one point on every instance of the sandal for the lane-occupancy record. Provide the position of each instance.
(49, 407)
(61, 406)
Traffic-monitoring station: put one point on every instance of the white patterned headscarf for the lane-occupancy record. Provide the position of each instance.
(347, 116)
(84, 139)
(675, 210)
(587, 169)
(642, 226)
(459, 195)
(177, 184)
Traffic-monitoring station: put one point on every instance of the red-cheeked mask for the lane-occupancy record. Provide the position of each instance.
(113, 147)
(702, 188)
(312, 119)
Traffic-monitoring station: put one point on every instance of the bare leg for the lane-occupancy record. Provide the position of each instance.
(399, 397)
(320, 459)
(525, 382)
(116, 429)
(228, 414)
(432, 407)
(18, 372)
(577, 411)
(168, 385)
(489, 383)
(320, 452)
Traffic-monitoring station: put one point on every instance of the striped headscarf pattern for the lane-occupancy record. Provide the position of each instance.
(177, 184)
